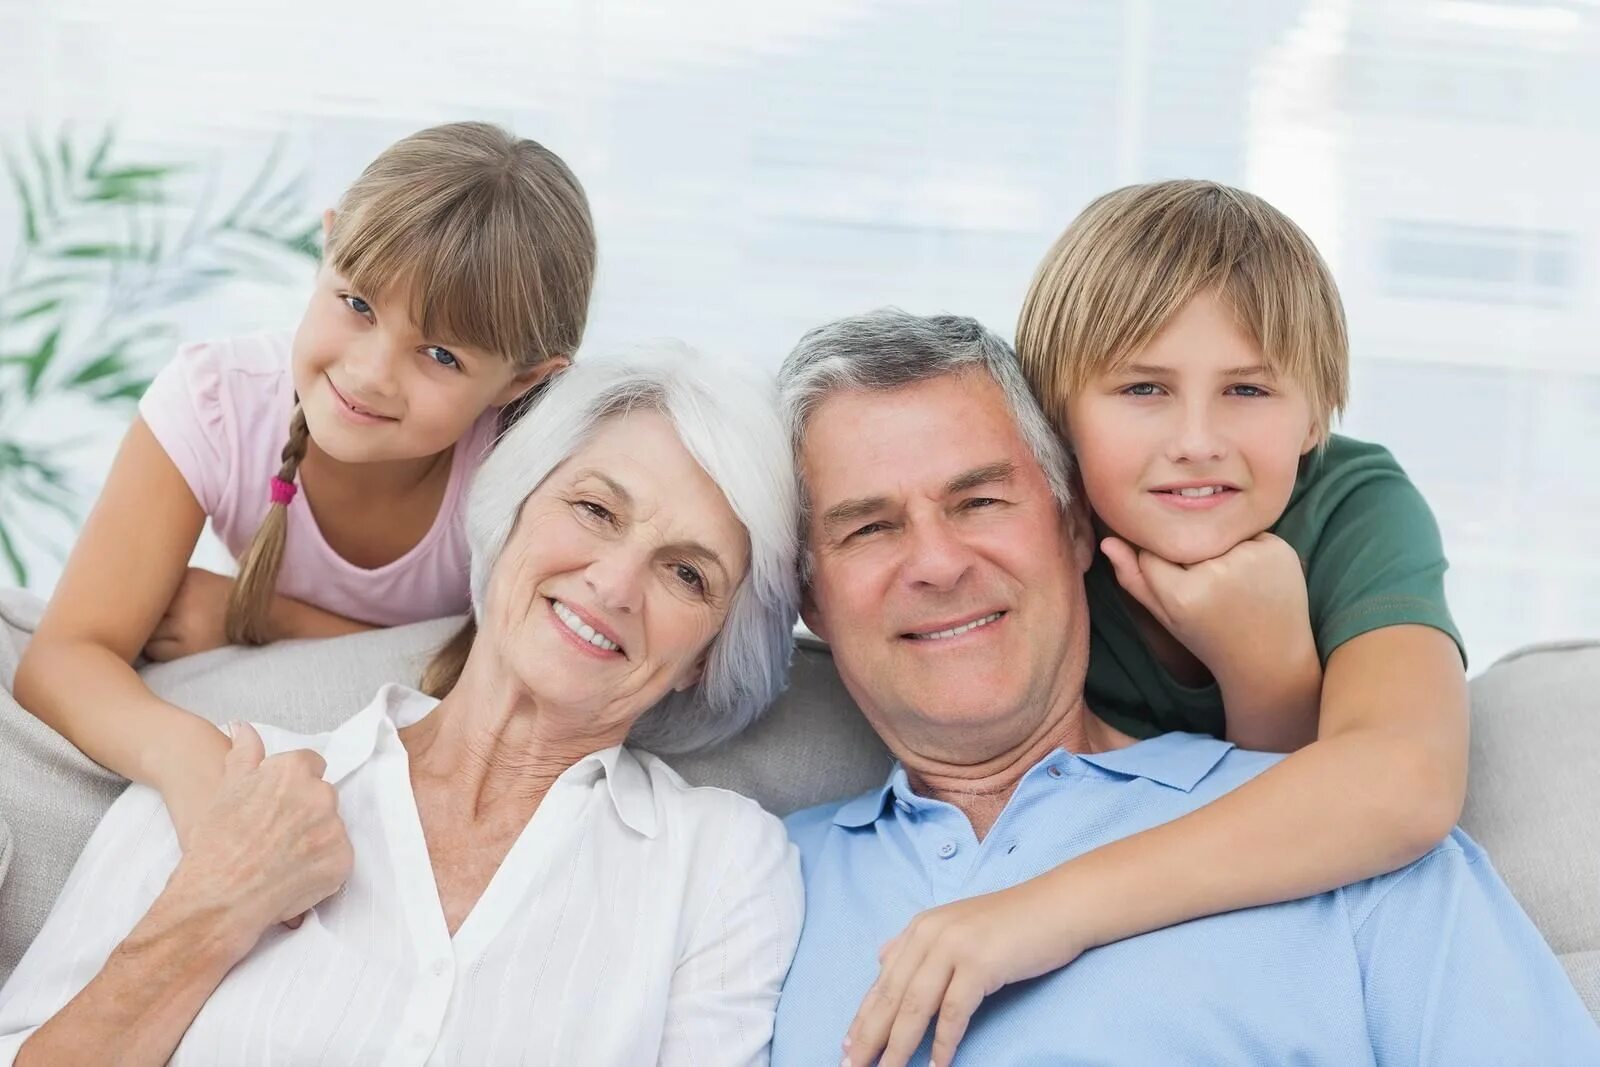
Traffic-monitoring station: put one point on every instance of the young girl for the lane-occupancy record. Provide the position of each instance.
(456, 278)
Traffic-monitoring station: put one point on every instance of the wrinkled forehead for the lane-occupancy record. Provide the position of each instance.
(917, 438)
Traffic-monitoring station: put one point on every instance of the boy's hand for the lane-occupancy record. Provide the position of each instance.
(194, 621)
(946, 961)
(1235, 612)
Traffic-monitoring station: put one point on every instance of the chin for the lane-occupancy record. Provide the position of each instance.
(1184, 551)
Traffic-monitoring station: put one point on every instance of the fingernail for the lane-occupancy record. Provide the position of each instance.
(846, 1045)
(845, 1062)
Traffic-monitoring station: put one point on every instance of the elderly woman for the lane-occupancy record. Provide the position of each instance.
(518, 884)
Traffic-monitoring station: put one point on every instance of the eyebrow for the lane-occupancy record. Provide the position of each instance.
(688, 548)
(988, 474)
(849, 511)
(1145, 370)
(616, 488)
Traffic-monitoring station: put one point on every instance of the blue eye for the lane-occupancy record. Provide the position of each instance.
(442, 356)
(1248, 390)
(1141, 389)
(356, 304)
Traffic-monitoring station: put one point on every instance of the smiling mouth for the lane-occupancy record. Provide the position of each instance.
(357, 408)
(571, 620)
(1198, 491)
(956, 631)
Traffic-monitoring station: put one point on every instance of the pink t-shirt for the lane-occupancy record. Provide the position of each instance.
(221, 410)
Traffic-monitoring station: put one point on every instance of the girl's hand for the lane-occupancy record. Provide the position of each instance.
(194, 621)
(190, 795)
(947, 960)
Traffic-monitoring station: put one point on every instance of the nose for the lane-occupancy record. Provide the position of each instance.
(937, 558)
(1198, 437)
(617, 579)
(369, 365)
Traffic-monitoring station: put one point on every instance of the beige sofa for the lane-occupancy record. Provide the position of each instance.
(1534, 799)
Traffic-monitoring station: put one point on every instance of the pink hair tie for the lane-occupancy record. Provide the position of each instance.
(282, 491)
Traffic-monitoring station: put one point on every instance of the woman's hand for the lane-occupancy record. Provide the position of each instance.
(195, 619)
(947, 960)
(272, 844)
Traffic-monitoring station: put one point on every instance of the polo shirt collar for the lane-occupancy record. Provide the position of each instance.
(1176, 760)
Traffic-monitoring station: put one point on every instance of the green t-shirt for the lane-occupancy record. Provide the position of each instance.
(1372, 555)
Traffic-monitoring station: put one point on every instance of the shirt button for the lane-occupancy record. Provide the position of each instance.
(439, 968)
(947, 850)
(1054, 772)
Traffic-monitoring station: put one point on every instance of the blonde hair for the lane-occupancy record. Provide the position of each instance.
(489, 239)
(1136, 256)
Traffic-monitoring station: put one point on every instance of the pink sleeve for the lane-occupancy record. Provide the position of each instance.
(183, 408)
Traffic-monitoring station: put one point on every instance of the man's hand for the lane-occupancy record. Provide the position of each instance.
(194, 621)
(272, 844)
(947, 960)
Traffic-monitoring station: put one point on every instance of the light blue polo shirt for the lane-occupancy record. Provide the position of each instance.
(1435, 963)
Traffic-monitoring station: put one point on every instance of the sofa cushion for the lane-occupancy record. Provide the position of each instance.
(1584, 970)
(1533, 796)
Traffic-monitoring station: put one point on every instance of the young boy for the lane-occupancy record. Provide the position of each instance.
(1260, 580)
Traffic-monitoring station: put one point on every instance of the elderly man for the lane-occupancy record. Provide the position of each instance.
(944, 565)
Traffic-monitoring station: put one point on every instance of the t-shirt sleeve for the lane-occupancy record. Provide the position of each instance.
(184, 409)
(1378, 562)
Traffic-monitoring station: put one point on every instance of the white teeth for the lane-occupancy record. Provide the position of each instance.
(957, 630)
(583, 629)
(1201, 490)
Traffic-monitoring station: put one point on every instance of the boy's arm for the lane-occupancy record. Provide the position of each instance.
(1274, 706)
(1382, 784)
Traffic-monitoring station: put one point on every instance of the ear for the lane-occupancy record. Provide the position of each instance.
(327, 223)
(530, 378)
(1078, 528)
(1314, 436)
(811, 616)
(692, 677)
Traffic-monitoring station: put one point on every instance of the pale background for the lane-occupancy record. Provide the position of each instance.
(756, 169)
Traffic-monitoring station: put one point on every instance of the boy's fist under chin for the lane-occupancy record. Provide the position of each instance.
(1245, 606)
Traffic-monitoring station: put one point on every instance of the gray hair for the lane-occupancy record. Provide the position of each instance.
(890, 349)
(728, 421)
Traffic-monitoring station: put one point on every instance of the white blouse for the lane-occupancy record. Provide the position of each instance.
(635, 920)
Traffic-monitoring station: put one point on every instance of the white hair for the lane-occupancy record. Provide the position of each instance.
(728, 421)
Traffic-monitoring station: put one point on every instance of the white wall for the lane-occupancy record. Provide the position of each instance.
(756, 169)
